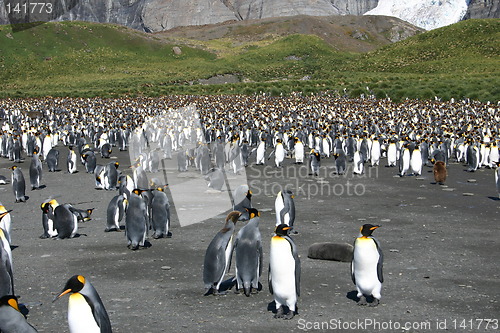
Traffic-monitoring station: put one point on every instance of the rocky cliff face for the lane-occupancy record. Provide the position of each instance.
(159, 15)
(483, 9)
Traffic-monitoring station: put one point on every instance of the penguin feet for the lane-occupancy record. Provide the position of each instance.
(362, 301)
(280, 312)
(375, 302)
(219, 293)
(169, 235)
(289, 315)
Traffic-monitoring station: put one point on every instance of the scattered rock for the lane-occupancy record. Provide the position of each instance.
(177, 50)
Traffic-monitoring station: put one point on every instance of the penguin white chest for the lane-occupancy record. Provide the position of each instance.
(282, 271)
(80, 317)
(365, 260)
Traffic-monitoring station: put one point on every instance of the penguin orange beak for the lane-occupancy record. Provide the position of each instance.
(61, 295)
(374, 227)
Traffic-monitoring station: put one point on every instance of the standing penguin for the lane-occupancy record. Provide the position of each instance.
(11, 318)
(285, 208)
(248, 253)
(115, 213)
(86, 312)
(71, 161)
(5, 220)
(261, 151)
(217, 256)
(340, 161)
(392, 152)
(366, 265)
(404, 161)
(6, 275)
(284, 273)
(136, 221)
(52, 160)
(416, 161)
(160, 214)
(18, 184)
(314, 162)
(298, 149)
(497, 178)
(440, 172)
(35, 171)
(48, 218)
(279, 153)
(242, 201)
(358, 164)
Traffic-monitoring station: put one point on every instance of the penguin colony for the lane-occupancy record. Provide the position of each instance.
(229, 134)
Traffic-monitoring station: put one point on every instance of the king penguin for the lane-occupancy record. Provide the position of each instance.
(6, 275)
(160, 214)
(261, 151)
(48, 218)
(298, 151)
(392, 151)
(366, 265)
(416, 161)
(285, 208)
(115, 213)
(71, 162)
(242, 198)
(65, 222)
(136, 220)
(497, 178)
(218, 254)
(35, 171)
(404, 160)
(5, 220)
(11, 318)
(52, 160)
(248, 253)
(18, 184)
(440, 172)
(284, 272)
(86, 312)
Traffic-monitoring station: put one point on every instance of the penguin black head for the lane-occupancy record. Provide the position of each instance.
(9, 300)
(252, 212)
(137, 191)
(367, 229)
(116, 164)
(282, 230)
(74, 285)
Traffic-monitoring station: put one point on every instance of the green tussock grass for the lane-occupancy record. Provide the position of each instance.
(81, 59)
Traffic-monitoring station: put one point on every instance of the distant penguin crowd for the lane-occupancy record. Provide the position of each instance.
(213, 137)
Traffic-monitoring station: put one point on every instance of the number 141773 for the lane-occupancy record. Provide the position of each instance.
(29, 8)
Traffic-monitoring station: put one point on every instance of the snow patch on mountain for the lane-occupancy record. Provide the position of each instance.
(426, 14)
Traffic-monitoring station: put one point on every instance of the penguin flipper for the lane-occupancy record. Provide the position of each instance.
(270, 280)
(380, 262)
(100, 315)
(352, 272)
(297, 264)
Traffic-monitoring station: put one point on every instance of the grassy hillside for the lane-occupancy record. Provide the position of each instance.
(88, 59)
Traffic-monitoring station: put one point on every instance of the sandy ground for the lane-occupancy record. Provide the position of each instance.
(441, 255)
